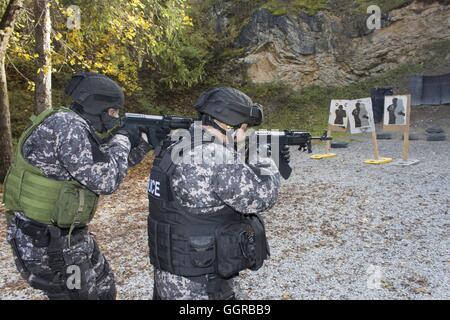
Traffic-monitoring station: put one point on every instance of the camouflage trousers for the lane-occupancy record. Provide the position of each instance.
(168, 286)
(64, 267)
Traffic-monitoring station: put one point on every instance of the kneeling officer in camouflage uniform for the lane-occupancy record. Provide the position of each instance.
(204, 226)
(65, 160)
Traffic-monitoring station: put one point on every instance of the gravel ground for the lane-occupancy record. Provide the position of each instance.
(340, 230)
(346, 230)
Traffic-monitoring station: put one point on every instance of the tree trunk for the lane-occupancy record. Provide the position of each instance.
(43, 94)
(6, 29)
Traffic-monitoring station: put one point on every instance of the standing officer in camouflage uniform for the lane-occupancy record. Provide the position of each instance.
(204, 226)
(65, 160)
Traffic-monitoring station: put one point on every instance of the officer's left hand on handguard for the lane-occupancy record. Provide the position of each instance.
(285, 158)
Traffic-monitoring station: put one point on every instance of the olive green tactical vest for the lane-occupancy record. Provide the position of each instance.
(26, 189)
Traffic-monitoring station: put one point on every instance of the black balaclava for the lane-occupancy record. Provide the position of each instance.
(103, 124)
(93, 95)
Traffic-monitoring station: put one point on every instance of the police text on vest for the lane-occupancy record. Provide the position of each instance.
(153, 188)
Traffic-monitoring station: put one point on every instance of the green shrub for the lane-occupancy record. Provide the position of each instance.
(282, 7)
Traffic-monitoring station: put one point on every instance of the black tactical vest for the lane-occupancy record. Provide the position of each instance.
(191, 245)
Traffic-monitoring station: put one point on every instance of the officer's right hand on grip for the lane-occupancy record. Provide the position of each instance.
(285, 158)
(133, 133)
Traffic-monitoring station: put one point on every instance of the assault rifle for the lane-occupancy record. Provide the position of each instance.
(158, 129)
(303, 140)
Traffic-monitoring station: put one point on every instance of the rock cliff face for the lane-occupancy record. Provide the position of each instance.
(325, 49)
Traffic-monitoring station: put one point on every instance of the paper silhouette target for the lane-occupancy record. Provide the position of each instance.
(361, 116)
(338, 119)
(397, 112)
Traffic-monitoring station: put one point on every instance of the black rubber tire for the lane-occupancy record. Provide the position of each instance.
(384, 136)
(339, 145)
(413, 137)
(435, 130)
(436, 137)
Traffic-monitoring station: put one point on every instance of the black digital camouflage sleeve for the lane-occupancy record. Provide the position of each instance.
(138, 154)
(101, 171)
(239, 187)
(63, 148)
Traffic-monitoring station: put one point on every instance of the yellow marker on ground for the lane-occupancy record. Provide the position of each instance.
(379, 161)
(323, 156)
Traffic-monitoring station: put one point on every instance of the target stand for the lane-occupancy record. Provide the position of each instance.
(378, 161)
(328, 154)
(405, 161)
(321, 156)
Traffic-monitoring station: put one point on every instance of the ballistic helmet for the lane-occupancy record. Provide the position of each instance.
(230, 106)
(95, 92)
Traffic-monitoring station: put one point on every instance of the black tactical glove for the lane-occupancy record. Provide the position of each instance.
(156, 135)
(285, 155)
(133, 133)
(284, 167)
(255, 153)
(285, 158)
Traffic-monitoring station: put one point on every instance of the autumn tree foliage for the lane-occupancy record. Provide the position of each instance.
(120, 38)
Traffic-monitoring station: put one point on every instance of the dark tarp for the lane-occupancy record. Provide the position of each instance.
(431, 90)
(378, 95)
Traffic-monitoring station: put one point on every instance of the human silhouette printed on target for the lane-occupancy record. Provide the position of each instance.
(360, 115)
(341, 114)
(396, 112)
